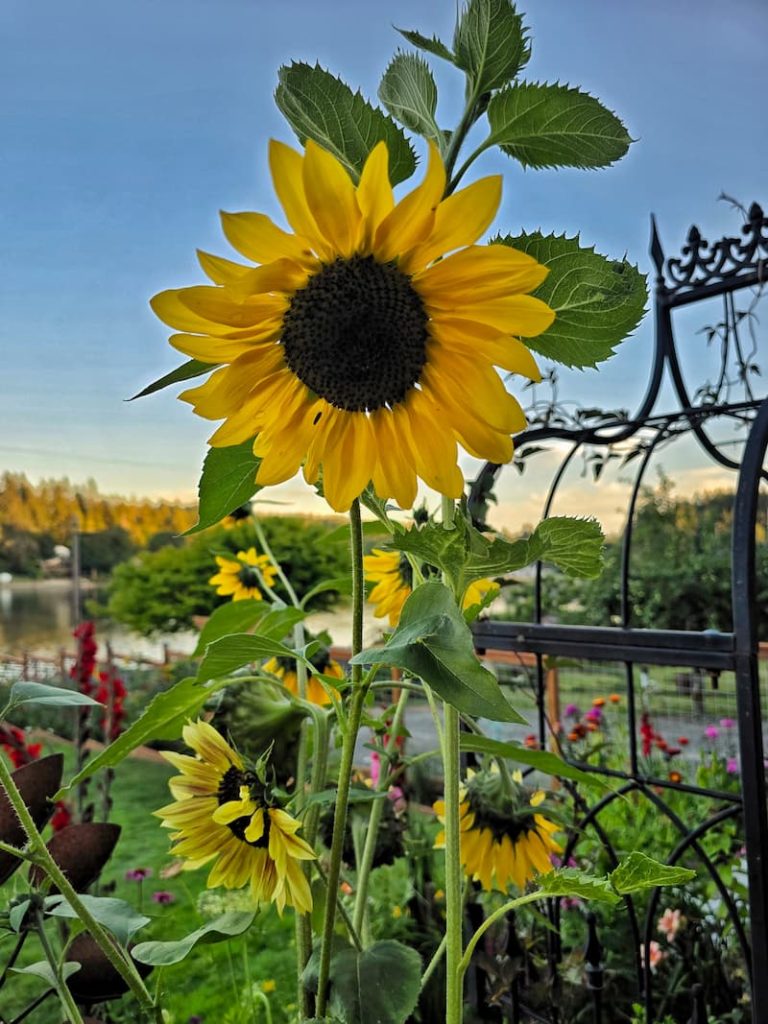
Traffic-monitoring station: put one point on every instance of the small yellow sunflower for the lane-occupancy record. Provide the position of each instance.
(499, 847)
(223, 812)
(240, 577)
(285, 671)
(353, 345)
(391, 572)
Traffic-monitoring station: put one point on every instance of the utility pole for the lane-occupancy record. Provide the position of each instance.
(74, 561)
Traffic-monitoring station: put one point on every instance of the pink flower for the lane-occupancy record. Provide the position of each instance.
(375, 767)
(711, 732)
(138, 874)
(163, 896)
(727, 723)
(732, 766)
(655, 954)
(669, 925)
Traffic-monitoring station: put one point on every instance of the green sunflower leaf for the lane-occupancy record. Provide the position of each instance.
(464, 554)
(638, 872)
(241, 616)
(598, 302)
(409, 93)
(379, 985)
(227, 482)
(433, 642)
(319, 106)
(572, 882)
(192, 368)
(42, 969)
(221, 929)
(430, 44)
(51, 696)
(541, 760)
(543, 125)
(119, 917)
(163, 719)
(491, 44)
(226, 655)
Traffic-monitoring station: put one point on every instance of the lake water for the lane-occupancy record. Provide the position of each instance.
(39, 618)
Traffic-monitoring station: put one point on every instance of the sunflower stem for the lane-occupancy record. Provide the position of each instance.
(43, 858)
(453, 888)
(521, 901)
(471, 113)
(347, 755)
(62, 989)
(377, 809)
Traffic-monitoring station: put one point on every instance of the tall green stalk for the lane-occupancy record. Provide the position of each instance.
(347, 756)
(40, 855)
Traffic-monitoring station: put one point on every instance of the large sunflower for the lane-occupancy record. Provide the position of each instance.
(241, 577)
(223, 811)
(501, 844)
(352, 346)
(392, 573)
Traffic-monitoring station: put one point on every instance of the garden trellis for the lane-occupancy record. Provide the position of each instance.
(726, 269)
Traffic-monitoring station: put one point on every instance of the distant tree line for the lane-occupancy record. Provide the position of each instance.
(680, 569)
(36, 517)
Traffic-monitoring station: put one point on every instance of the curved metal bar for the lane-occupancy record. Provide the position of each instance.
(753, 785)
(676, 854)
(706, 860)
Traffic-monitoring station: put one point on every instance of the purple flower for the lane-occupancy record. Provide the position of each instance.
(595, 714)
(572, 711)
(711, 732)
(727, 723)
(195, 1019)
(138, 874)
(732, 766)
(163, 896)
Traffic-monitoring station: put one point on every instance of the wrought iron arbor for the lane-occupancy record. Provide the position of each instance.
(703, 271)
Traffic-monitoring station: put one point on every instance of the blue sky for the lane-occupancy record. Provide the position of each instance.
(125, 127)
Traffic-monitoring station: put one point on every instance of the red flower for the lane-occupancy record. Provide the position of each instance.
(683, 741)
(531, 742)
(647, 733)
(62, 816)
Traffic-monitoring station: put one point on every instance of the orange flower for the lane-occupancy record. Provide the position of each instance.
(675, 777)
(573, 737)
(614, 698)
(592, 726)
(598, 702)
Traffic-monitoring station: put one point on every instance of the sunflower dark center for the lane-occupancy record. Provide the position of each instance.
(229, 789)
(356, 334)
(249, 577)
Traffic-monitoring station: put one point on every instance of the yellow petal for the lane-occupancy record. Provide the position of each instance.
(348, 459)
(479, 272)
(225, 350)
(513, 314)
(374, 194)
(434, 446)
(331, 198)
(284, 276)
(226, 389)
(483, 390)
(220, 270)
(476, 339)
(460, 220)
(286, 166)
(259, 239)
(412, 220)
(394, 475)
(210, 745)
(282, 450)
(222, 306)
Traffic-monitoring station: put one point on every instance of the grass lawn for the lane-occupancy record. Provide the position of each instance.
(213, 982)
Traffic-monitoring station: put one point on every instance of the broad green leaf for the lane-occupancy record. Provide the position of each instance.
(17, 913)
(572, 882)
(541, 760)
(638, 871)
(544, 125)
(192, 368)
(233, 617)
(465, 554)
(42, 969)
(598, 302)
(491, 44)
(319, 106)
(433, 642)
(380, 985)
(227, 482)
(52, 696)
(230, 653)
(339, 584)
(431, 44)
(228, 926)
(163, 719)
(117, 916)
(409, 93)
